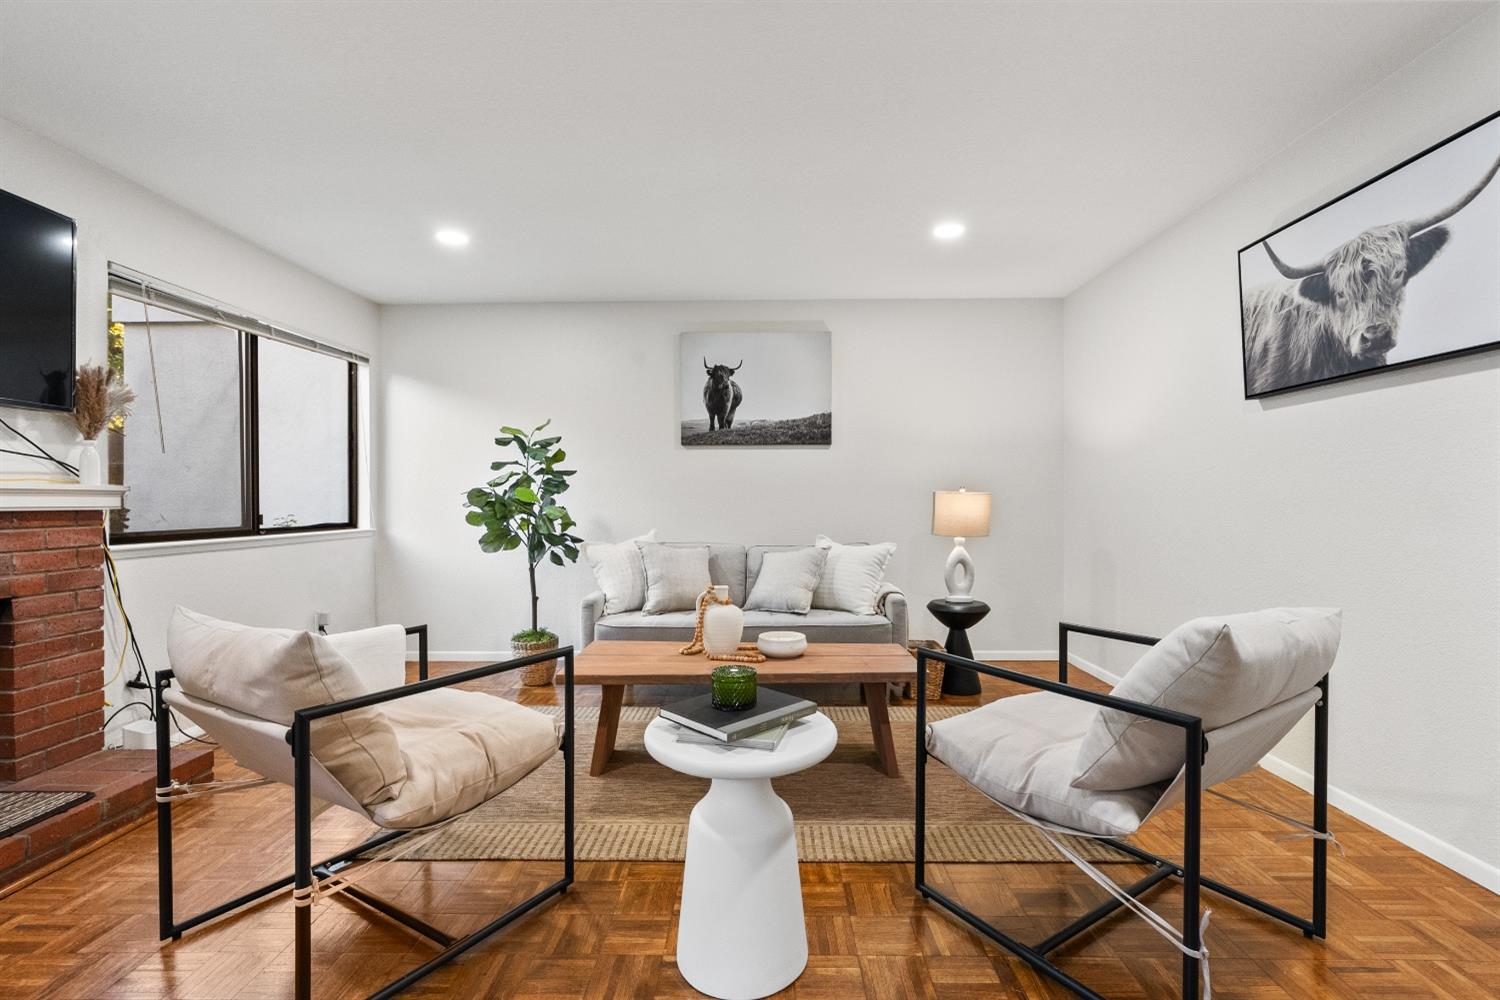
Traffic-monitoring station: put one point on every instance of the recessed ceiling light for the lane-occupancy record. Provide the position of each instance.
(948, 230)
(452, 237)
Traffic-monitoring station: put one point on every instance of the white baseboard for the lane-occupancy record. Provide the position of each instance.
(462, 655)
(1091, 668)
(1015, 654)
(1444, 853)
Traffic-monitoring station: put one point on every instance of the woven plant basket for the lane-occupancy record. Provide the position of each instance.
(538, 674)
(934, 670)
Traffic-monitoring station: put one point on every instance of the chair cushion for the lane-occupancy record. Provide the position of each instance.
(461, 748)
(818, 625)
(851, 576)
(676, 576)
(269, 673)
(786, 580)
(1222, 669)
(1020, 751)
(619, 571)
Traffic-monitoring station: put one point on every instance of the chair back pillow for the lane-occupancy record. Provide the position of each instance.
(675, 576)
(269, 673)
(851, 576)
(1221, 669)
(378, 655)
(618, 570)
(787, 579)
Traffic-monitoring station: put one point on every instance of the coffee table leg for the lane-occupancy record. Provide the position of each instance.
(609, 724)
(880, 728)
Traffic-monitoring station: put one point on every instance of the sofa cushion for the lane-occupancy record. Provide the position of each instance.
(1221, 669)
(461, 748)
(786, 580)
(619, 572)
(1020, 751)
(269, 673)
(818, 625)
(852, 576)
(755, 555)
(676, 575)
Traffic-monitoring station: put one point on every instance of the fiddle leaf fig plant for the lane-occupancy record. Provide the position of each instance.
(518, 509)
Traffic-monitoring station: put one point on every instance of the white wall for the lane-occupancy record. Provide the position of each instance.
(122, 222)
(926, 395)
(1380, 495)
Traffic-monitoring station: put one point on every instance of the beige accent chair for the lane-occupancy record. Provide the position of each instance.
(333, 717)
(1204, 705)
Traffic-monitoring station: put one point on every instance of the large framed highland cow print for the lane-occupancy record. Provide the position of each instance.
(1400, 271)
(756, 389)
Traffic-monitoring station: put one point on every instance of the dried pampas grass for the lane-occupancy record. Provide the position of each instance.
(101, 396)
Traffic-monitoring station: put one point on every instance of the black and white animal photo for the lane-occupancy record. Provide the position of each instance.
(1403, 269)
(757, 388)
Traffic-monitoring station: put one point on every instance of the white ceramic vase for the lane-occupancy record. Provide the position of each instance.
(723, 625)
(90, 467)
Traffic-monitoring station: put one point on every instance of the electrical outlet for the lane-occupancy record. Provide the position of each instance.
(322, 620)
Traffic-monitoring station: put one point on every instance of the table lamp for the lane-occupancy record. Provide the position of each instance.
(959, 514)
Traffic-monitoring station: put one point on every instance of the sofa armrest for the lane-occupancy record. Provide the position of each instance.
(893, 601)
(589, 613)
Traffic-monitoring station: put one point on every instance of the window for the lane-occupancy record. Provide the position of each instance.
(238, 427)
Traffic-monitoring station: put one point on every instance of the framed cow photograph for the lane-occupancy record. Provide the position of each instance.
(1402, 270)
(757, 389)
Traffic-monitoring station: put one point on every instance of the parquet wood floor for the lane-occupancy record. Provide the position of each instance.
(1401, 926)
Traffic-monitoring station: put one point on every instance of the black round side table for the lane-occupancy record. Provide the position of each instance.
(959, 616)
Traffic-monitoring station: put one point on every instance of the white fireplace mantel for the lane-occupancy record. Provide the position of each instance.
(59, 496)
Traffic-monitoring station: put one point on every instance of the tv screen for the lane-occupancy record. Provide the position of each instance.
(36, 305)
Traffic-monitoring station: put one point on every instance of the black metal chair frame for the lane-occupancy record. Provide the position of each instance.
(1195, 749)
(305, 869)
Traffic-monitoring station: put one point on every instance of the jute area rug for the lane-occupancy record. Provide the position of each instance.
(846, 810)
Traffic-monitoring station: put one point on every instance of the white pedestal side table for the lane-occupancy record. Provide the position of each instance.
(740, 934)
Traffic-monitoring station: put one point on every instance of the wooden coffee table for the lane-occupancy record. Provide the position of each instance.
(613, 664)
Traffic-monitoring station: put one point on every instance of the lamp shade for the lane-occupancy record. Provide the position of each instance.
(960, 514)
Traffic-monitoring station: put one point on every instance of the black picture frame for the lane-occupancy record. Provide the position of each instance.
(1374, 369)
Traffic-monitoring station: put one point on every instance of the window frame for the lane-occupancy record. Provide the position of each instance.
(251, 523)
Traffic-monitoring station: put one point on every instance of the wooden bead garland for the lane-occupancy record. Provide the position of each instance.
(748, 653)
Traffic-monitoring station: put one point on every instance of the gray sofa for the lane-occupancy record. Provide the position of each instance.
(737, 566)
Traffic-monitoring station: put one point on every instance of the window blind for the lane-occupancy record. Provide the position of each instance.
(151, 291)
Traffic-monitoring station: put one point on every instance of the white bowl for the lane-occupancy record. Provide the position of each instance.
(781, 645)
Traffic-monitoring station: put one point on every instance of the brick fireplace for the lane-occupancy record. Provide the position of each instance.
(52, 665)
(51, 639)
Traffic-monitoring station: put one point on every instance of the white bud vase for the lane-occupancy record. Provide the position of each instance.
(723, 625)
(90, 467)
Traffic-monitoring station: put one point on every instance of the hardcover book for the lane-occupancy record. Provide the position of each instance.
(772, 708)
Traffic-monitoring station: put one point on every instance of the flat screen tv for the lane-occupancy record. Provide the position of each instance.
(37, 314)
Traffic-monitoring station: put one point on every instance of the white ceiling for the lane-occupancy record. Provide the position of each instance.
(695, 150)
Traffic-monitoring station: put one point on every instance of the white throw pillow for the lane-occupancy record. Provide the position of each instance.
(619, 572)
(787, 580)
(270, 673)
(1221, 669)
(851, 576)
(676, 575)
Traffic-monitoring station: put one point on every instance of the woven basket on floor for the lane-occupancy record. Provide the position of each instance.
(934, 671)
(538, 674)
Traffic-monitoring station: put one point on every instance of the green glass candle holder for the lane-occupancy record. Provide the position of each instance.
(733, 687)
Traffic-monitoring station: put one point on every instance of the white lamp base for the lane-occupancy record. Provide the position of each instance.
(959, 573)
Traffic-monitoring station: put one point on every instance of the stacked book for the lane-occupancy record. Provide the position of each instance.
(759, 728)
